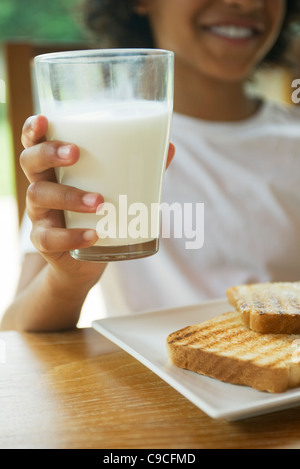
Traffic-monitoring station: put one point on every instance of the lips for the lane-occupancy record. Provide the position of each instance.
(234, 31)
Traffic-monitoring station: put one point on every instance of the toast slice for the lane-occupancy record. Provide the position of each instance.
(225, 349)
(268, 307)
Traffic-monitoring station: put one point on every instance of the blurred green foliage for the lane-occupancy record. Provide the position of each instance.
(46, 20)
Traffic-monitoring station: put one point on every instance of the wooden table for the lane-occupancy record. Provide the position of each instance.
(77, 390)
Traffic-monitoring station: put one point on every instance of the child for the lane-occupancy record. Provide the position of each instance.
(235, 154)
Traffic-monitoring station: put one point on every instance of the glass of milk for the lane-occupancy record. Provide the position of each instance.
(116, 105)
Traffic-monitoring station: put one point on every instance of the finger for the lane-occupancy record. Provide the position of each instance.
(49, 240)
(39, 160)
(171, 154)
(34, 130)
(44, 196)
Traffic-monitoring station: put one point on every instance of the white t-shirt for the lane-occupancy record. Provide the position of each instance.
(247, 175)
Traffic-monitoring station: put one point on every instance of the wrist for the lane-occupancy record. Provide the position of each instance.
(70, 287)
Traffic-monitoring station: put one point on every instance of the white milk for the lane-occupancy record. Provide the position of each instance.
(123, 150)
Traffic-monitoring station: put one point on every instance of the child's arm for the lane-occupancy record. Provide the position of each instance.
(53, 286)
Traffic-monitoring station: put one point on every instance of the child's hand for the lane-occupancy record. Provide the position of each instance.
(46, 200)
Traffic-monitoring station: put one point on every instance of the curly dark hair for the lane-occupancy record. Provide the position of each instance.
(115, 24)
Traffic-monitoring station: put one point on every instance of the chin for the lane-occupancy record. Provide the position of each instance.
(233, 74)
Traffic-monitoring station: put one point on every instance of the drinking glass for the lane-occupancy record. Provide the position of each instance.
(116, 106)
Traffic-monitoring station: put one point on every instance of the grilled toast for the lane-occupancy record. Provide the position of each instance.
(225, 349)
(268, 307)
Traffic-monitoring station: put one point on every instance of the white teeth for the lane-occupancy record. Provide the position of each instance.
(232, 32)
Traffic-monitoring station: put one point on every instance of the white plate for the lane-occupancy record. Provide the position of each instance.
(144, 337)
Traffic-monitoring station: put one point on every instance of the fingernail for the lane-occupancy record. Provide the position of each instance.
(90, 235)
(32, 122)
(32, 127)
(64, 152)
(90, 200)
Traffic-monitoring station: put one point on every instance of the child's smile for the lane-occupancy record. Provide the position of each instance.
(225, 39)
